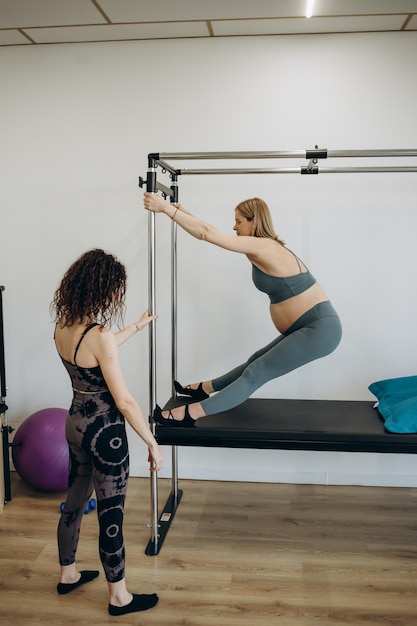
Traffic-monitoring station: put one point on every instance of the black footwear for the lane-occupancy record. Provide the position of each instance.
(187, 422)
(196, 394)
(140, 602)
(86, 577)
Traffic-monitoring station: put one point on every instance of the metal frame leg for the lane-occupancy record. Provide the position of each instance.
(161, 525)
(5, 428)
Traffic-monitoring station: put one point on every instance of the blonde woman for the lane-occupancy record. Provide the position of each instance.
(307, 325)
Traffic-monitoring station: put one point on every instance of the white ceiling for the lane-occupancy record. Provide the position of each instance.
(34, 22)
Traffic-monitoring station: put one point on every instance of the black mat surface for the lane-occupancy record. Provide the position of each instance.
(345, 425)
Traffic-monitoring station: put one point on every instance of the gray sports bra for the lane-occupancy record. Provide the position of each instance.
(280, 288)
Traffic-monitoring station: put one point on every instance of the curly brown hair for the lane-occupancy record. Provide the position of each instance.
(93, 288)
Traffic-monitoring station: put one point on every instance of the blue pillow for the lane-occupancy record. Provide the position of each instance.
(397, 403)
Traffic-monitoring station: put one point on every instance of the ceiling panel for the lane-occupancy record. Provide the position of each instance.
(24, 13)
(159, 10)
(413, 23)
(301, 26)
(24, 22)
(12, 38)
(364, 7)
(118, 32)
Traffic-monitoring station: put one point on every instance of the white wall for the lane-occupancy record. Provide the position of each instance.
(77, 123)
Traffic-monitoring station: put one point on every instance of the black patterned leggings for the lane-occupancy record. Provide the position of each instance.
(98, 459)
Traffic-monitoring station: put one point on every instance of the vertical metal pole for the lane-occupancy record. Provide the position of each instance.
(5, 428)
(151, 187)
(174, 452)
(2, 357)
(174, 189)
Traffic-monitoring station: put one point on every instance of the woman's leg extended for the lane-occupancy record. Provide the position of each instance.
(219, 383)
(307, 343)
(227, 379)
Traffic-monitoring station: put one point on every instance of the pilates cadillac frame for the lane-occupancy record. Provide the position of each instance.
(352, 426)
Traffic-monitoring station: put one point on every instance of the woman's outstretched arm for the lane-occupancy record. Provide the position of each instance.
(126, 333)
(200, 229)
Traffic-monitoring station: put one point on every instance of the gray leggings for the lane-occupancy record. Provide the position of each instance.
(314, 335)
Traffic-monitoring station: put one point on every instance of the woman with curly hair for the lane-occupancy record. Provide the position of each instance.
(89, 299)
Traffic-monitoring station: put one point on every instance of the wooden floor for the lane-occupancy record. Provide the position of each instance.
(236, 554)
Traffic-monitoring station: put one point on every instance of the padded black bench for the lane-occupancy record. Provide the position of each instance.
(333, 425)
(345, 425)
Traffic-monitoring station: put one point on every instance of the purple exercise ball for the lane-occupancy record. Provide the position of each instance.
(40, 450)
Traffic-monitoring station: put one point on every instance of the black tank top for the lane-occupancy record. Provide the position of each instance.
(85, 379)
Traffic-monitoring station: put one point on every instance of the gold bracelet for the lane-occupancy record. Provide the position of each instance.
(174, 214)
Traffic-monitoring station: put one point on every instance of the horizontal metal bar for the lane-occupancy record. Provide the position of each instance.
(166, 190)
(166, 166)
(376, 169)
(371, 153)
(192, 156)
(297, 170)
(286, 154)
(246, 170)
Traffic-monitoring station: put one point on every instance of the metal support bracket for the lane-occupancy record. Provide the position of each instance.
(164, 523)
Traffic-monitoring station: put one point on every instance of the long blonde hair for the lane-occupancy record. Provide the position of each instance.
(257, 210)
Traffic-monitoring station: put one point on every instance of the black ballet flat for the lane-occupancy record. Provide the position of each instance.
(196, 394)
(187, 422)
(140, 602)
(86, 577)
